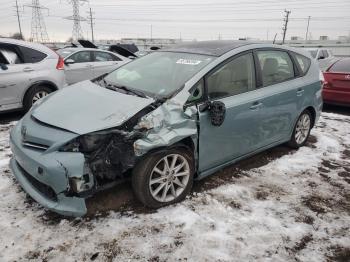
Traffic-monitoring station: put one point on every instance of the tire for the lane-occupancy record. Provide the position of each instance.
(301, 131)
(144, 172)
(33, 94)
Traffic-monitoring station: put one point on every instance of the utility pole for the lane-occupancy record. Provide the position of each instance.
(38, 29)
(19, 21)
(307, 28)
(77, 32)
(286, 20)
(151, 32)
(91, 22)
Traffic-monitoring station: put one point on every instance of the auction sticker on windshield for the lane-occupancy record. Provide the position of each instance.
(188, 62)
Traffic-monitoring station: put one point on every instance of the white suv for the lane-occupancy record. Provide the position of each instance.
(324, 57)
(28, 71)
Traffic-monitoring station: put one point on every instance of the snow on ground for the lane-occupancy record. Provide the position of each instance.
(294, 206)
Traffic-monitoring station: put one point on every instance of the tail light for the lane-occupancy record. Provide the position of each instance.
(60, 63)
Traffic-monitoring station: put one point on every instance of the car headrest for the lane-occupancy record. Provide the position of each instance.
(270, 66)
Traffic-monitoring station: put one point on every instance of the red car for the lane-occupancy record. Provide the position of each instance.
(336, 89)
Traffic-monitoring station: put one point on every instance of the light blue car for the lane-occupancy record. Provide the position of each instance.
(165, 120)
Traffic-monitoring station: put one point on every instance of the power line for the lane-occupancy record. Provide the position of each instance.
(38, 27)
(287, 13)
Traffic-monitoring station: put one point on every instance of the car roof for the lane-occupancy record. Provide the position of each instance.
(212, 48)
(76, 49)
(32, 45)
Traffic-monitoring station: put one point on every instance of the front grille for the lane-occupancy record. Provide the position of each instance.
(42, 188)
(35, 145)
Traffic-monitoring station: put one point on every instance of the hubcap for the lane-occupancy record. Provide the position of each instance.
(302, 129)
(39, 95)
(169, 178)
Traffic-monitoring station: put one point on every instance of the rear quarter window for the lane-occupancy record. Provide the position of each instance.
(341, 66)
(303, 62)
(31, 56)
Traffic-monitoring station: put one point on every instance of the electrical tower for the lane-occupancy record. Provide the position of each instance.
(38, 28)
(77, 32)
(286, 20)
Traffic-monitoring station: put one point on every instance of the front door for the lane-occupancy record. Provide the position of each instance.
(233, 84)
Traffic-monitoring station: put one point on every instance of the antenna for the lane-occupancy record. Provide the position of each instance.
(77, 32)
(286, 20)
(38, 28)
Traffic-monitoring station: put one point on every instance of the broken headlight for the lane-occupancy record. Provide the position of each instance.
(85, 143)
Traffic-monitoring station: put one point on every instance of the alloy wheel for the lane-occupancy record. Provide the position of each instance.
(39, 95)
(169, 178)
(303, 128)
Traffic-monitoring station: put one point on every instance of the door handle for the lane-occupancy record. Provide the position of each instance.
(3, 86)
(256, 105)
(28, 69)
(300, 92)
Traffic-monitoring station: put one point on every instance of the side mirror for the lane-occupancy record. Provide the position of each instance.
(3, 66)
(321, 57)
(69, 61)
(217, 112)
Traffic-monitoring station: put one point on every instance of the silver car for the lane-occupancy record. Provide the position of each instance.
(88, 63)
(28, 72)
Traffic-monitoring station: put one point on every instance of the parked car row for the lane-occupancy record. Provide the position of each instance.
(164, 120)
(30, 71)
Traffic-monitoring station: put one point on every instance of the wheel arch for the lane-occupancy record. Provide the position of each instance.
(312, 110)
(47, 83)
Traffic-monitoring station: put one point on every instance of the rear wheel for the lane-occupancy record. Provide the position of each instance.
(34, 94)
(301, 130)
(163, 178)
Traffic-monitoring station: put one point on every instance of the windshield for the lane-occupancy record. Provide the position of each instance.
(313, 53)
(65, 52)
(159, 74)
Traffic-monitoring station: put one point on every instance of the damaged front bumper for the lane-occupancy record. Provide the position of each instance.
(45, 177)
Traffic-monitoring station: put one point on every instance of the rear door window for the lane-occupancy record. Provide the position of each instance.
(104, 57)
(30, 55)
(276, 66)
(303, 62)
(342, 66)
(81, 57)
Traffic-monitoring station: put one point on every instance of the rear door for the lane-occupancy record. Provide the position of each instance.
(104, 62)
(282, 94)
(21, 63)
(80, 69)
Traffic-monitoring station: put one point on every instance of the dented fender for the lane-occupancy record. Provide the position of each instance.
(167, 125)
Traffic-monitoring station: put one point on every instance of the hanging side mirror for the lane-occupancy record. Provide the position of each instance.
(217, 112)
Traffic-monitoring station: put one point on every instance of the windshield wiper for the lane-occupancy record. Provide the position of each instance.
(115, 87)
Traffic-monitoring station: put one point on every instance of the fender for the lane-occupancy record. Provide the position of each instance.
(37, 83)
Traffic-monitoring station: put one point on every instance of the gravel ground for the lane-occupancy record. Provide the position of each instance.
(281, 205)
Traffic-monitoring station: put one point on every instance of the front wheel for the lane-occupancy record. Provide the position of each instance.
(301, 130)
(163, 178)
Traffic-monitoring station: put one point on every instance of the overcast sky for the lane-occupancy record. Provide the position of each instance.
(190, 19)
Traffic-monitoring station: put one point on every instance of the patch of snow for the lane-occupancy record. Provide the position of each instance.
(264, 215)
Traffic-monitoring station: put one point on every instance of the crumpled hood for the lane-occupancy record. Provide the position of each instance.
(86, 107)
